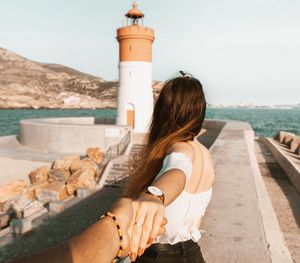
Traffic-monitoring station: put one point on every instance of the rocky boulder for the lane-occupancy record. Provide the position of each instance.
(10, 192)
(39, 175)
(30, 190)
(84, 163)
(95, 154)
(66, 162)
(61, 175)
(51, 192)
(82, 178)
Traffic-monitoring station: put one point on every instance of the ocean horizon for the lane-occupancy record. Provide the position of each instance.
(265, 122)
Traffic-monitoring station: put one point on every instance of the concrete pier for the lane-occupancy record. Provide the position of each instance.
(240, 224)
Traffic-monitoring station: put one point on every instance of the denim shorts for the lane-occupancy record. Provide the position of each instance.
(182, 252)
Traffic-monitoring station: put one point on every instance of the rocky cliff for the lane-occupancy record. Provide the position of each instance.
(29, 84)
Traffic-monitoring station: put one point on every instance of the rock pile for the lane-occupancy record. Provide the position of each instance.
(19, 199)
(291, 140)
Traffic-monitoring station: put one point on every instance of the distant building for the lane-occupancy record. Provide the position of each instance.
(284, 106)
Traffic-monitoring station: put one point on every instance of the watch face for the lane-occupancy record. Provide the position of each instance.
(155, 191)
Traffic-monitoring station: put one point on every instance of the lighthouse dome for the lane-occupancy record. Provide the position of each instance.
(134, 12)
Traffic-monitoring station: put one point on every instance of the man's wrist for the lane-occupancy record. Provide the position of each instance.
(110, 224)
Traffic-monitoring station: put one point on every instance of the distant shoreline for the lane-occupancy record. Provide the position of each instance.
(44, 108)
(115, 108)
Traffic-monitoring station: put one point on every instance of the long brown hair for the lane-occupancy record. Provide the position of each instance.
(177, 117)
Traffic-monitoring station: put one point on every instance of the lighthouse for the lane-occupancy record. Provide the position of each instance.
(135, 96)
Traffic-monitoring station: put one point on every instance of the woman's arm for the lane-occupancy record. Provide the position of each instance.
(150, 210)
(173, 181)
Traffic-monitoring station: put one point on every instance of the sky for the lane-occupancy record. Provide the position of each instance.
(243, 51)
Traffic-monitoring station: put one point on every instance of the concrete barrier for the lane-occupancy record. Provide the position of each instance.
(84, 192)
(290, 140)
(285, 160)
(4, 231)
(294, 144)
(297, 151)
(287, 139)
(22, 226)
(281, 136)
(69, 135)
(59, 205)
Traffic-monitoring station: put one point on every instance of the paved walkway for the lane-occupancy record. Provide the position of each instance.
(17, 161)
(284, 196)
(11, 148)
(239, 218)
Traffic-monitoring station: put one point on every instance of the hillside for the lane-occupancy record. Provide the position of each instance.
(28, 84)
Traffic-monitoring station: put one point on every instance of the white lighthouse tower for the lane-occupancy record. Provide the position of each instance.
(135, 97)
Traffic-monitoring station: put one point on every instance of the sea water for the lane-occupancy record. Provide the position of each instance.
(265, 122)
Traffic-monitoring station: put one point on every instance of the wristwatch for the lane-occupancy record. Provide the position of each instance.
(155, 191)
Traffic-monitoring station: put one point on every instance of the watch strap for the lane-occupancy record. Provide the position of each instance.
(161, 197)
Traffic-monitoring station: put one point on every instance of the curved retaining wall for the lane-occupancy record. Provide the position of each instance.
(69, 135)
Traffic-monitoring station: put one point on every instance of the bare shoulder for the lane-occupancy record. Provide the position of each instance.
(203, 148)
(207, 157)
(205, 151)
(182, 147)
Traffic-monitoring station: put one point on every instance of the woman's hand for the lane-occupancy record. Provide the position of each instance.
(124, 210)
(148, 220)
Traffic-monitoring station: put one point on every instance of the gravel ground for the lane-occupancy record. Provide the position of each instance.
(284, 197)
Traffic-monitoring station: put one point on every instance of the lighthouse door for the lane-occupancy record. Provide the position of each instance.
(130, 114)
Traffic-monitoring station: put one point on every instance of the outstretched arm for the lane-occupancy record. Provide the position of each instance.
(98, 243)
(150, 210)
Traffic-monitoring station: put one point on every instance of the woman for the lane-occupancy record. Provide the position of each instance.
(180, 174)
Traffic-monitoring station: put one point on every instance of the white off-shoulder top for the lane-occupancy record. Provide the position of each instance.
(184, 212)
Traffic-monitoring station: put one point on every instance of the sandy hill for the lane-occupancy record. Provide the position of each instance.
(29, 84)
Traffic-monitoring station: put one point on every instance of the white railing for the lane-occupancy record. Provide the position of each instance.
(113, 151)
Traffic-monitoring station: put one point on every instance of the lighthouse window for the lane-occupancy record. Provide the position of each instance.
(130, 48)
(130, 73)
